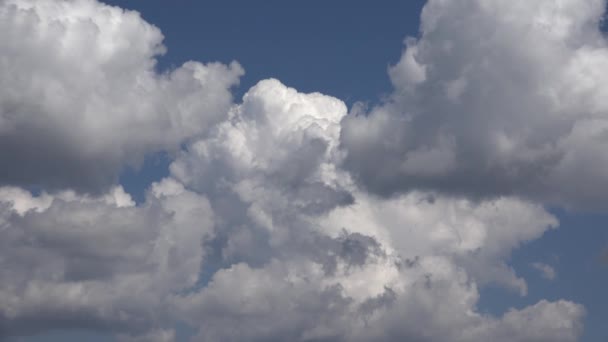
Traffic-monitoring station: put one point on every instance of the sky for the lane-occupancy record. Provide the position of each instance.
(316, 171)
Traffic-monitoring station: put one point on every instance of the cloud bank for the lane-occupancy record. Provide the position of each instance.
(495, 98)
(270, 226)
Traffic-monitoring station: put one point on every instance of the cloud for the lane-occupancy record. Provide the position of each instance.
(259, 233)
(476, 236)
(239, 245)
(546, 271)
(80, 97)
(358, 269)
(153, 336)
(494, 98)
(97, 263)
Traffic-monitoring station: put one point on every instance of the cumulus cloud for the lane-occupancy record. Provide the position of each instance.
(100, 263)
(259, 233)
(494, 98)
(239, 245)
(360, 269)
(80, 97)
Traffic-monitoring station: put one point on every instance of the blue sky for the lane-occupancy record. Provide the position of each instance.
(575, 249)
(340, 48)
(345, 49)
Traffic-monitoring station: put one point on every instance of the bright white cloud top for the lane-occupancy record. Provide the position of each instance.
(270, 227)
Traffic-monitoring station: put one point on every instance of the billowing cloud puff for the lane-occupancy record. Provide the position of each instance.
(293, 260)
(73, 262)
(476, 236)
(80, 97)
(495, 98)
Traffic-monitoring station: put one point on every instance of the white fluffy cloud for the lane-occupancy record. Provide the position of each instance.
(312, 257)
(243, 244)
(476, 236)
(495, 98)
(259, 233)
(80, 97)
(70, 261)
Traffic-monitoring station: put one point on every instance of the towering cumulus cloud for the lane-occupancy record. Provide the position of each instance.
(301, 253)
(80, 97)
(269, 226)
(495, 98)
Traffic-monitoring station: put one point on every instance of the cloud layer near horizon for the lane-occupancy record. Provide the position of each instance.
(269, 226)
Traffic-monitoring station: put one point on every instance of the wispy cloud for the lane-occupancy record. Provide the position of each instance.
(546, 271)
